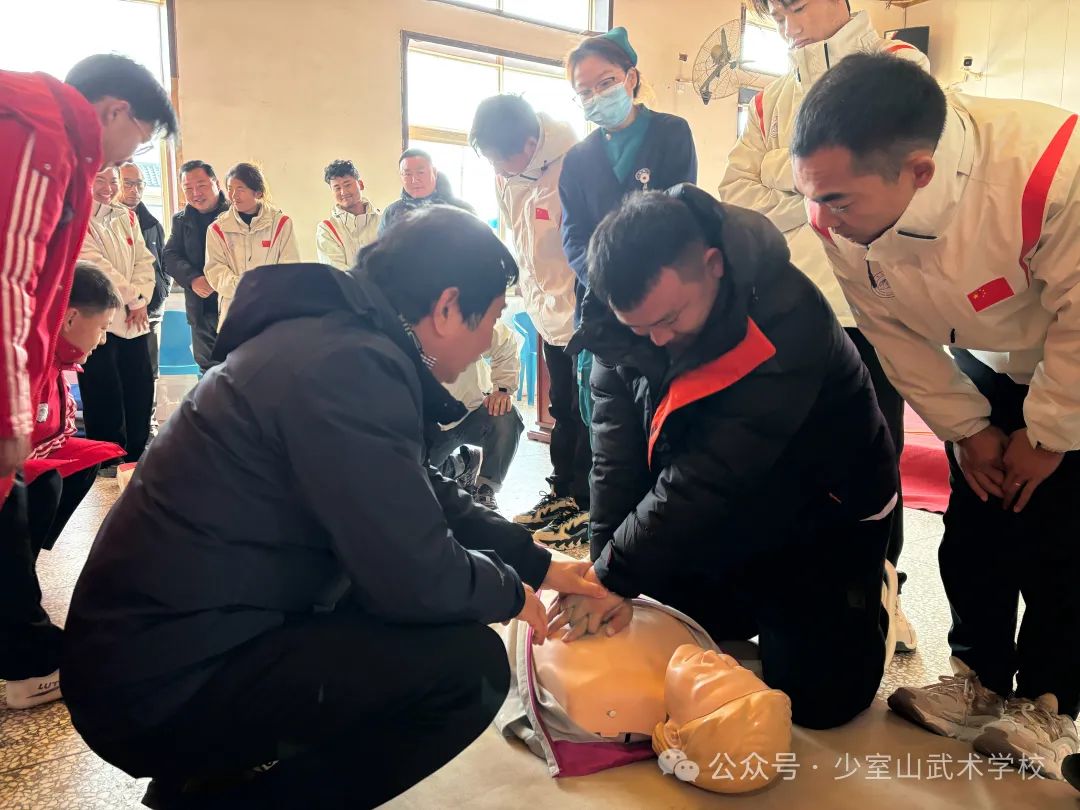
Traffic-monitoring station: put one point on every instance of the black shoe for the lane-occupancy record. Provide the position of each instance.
(566, 532)
(108, 471)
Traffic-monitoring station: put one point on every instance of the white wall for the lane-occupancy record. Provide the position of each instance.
(1025, 48)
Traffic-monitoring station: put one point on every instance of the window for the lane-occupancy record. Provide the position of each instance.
(439, 121)
(573, 15)
(135, 28)
(763, 49)
(746, 98)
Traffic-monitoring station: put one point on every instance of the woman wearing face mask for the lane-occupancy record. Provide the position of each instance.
(252, 233)
(632, 149)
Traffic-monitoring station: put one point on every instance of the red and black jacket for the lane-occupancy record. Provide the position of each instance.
(761, 430)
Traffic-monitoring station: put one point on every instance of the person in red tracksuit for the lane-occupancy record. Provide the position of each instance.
(56, 136)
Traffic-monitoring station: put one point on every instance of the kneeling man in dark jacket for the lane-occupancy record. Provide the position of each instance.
(285, 580)
(743, 472)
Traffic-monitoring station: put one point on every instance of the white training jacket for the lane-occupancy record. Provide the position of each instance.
(339, 237)
(114, 243)
(530, 203)
(233, 248)
(497, 368)
(985, 258)
(759, 174)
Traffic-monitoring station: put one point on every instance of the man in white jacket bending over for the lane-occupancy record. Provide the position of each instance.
(952, 223)
(819, 33)
(353, 222)
(494, 425)
(117, 382)
(526, 149)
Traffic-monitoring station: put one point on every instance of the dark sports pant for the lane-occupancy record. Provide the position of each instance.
(31, 519)
(990, 557)
(356, 710)
(571, 455)
(816, 610)
(117, 388)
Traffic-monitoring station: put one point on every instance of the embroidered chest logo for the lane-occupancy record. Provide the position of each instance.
(879, 283)
(643, 176)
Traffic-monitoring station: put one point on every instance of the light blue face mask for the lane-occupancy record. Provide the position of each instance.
(610, 108)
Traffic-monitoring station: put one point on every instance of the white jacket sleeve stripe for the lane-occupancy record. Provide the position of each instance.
(1037, 191)
(17, 261)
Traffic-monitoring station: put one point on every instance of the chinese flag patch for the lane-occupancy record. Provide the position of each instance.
(542, 213)
(991, 293)
(266, 243)
(130, 241)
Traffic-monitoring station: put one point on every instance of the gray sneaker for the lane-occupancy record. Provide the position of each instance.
(957, 706)
(1032, 736)
(463, 466)
(485, 496)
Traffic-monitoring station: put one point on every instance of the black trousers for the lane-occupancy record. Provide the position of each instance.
(202, 317)
(891, 405)
(816, 610)
(357, 711)
(571, 455)
(990, 557)
(31, 519)
(117, 386)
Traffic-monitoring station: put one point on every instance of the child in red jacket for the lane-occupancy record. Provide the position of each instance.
(61, 468)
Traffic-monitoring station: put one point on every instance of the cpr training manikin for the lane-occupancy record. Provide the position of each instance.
(660, 688)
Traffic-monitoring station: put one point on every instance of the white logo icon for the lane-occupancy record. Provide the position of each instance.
(674, 762)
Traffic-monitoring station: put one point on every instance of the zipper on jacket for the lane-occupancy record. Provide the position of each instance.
(870, 275)
(952, 336)
(827, 64)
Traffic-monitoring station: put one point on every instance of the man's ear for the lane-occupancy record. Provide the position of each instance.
(69, 318)
(714, 262)
(361, 184)
(446, 314)
(922, 168)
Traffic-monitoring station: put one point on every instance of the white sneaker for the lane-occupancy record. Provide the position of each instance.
(957, 706)
(1032, 735)
(906, 640)
(32, 692)
(890, 593)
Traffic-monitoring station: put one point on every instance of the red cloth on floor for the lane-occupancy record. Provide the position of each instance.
(924, 467)
(75, 455)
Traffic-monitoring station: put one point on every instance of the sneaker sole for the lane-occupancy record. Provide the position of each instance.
(993, 742)
(903, 704)
(573, 542)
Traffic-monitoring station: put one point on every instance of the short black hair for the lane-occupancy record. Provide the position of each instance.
(432, 249)
(877, 106)
(650, 231)
(250, 175)
(195, 165)
(91, 290)
(415, 153)
(502, 124)
(110, 74)
(340, 168)
(762, 6)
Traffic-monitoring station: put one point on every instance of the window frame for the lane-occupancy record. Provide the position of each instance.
(596, 7)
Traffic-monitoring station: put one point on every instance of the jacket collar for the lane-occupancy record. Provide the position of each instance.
(353, 221)
(268, 295)
(811, 61)
(931, 210)
(263, 219)
(748, 243)
(213, 213)
(146, 219)
(105, 211)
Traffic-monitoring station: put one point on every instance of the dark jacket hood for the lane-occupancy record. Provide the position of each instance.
(751, 247)
(282, 292)
(443, 192)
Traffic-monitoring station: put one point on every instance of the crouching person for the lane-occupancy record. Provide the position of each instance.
(743, 472)
(285, 580)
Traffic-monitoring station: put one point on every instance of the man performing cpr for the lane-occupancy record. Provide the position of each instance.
(743, 473)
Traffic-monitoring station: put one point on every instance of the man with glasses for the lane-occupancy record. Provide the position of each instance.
(56, 137)
(421, 184)
(132, 186)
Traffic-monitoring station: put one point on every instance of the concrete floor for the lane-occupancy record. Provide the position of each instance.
(44, 764)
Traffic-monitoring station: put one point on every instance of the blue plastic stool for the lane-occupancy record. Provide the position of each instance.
(524, 326)
(174, 354)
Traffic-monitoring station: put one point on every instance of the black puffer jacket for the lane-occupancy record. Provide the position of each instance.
(185, 252)
(154, 236)
(295, 473)
(762, 434)
(443, 195)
